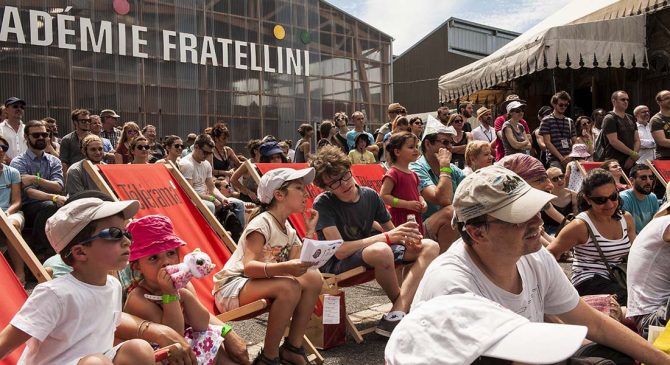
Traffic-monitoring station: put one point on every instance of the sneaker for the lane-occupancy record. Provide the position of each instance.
(388, 323)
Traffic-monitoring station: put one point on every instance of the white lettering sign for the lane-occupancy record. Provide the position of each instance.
(84, 34)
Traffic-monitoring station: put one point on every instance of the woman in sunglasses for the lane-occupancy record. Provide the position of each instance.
(461, 140)
(122, 154)
(139, 149)
(614, 230)
(584, 132)
(514, 138)
(416, 127)
(173, 146)
(565, 202)
(615, 169)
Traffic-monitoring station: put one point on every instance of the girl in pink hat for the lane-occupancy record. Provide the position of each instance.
(154, 298)
(580, 152)
(266, 265)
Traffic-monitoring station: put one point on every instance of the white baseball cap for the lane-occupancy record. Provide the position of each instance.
(70, 219)
(457, 329)
(500, 193)
(274, 179)
(514, 105)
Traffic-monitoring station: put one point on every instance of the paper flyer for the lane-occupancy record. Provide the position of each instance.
(318, 251)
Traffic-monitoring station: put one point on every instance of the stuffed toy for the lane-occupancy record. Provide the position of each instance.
(196, 264)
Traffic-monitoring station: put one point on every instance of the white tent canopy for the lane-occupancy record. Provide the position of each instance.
(597, 33)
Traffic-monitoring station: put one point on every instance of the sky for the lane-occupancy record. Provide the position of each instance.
(407, 21)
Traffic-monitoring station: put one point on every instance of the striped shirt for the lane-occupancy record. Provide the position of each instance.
(587, 261)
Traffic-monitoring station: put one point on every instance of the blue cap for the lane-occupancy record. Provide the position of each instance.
(14, 100)
(270, 148)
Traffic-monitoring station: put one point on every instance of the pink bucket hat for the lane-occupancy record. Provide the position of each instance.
(579, 150)
(152, 234)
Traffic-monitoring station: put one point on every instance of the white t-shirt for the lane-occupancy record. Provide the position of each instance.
(16, 139)
(197, 172)
(546, 289)
(68, 319)
(648, 268)
(482, 134)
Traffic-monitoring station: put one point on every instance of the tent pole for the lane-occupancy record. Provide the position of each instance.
(553, 80)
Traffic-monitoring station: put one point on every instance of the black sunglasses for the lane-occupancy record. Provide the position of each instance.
(18, 106)
(110, 234)
(557, 178)
(142, 147)
(4, 147)
(600, 200)
(38, 135)
(516, 110)
(177, 145)
(444, 142)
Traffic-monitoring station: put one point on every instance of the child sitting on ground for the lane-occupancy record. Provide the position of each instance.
(266, 265)
(400, 185)
(71, 319)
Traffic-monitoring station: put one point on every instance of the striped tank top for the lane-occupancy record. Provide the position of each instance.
(587, 261)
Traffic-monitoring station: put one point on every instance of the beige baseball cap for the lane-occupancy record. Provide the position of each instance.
(274, 179)
(69, 220)
(109, 113)
(500, 193)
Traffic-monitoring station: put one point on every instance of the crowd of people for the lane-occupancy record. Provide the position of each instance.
(477, 210)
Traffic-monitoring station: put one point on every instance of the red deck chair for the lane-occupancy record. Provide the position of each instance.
(661, 169)
(586, 166)
(366, 175)
(162, 189)
(13, 298)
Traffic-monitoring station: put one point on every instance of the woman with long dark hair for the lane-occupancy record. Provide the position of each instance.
(613, 229)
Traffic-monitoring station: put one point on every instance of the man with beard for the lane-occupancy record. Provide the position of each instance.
(500, 257)
(42, 179)
(77, 178)
(485, 132)
(466, 111)
(70, 144)
(639, 201)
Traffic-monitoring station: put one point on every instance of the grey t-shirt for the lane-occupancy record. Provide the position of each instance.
(661, 123)
(353, 220)
(648, 268)
(78, 179)
(546, 289)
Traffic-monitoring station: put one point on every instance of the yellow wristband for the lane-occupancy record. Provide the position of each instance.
(212, 198)
(395, 202)
(54, 198)
(168, 298)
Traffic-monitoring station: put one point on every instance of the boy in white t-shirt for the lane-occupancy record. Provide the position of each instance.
(71, 319)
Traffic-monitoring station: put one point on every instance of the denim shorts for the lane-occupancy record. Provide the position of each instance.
(335, 266)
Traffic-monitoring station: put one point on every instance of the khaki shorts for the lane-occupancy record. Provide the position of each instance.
(110, 354)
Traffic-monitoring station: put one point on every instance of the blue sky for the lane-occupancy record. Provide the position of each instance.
(410, 20)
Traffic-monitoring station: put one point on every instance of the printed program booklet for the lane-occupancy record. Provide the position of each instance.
(318, 251)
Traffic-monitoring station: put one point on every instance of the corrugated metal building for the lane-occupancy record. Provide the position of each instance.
(264, 67)
(453, 44)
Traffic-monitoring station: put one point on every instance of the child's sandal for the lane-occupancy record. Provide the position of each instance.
(286, 346)
(262, 359)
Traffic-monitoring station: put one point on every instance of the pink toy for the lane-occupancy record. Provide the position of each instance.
(196, 264)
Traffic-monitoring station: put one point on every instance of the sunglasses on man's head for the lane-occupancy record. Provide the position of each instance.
(110, 234)
(38, 135)
(600, 200)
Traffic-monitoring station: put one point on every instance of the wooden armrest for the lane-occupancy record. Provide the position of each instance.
(243, 310)
(332, 279)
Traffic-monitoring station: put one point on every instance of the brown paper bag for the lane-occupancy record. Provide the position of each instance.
(333, 332)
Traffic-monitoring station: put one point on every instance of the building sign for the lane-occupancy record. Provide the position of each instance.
(78, 33)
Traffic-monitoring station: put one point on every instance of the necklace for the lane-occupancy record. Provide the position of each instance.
(281, 226)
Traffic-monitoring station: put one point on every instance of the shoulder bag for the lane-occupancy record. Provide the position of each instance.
(617, 273)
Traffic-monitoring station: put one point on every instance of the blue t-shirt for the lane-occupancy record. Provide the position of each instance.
(642, 211)
(8, 177)
(351, 138)
(428, 178)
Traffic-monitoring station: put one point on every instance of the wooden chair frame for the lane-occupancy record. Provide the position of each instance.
(658, 175)
(250, 310)
(15, 239)
(583, 171)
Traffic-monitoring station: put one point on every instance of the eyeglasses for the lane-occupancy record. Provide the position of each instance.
(418, 123)
(624, 99)
(562, 105)
(557, 178)
(18, 106)
(600, 200)
(444, 142)
(85, 121)
(39, 135)
(333, 185)
(178, 146)
(143, 147)
(110, 234)
(641, 177)
(206, 153)
(457, 121)
(4, 147)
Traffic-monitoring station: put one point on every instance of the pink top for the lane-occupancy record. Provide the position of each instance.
(497, 125)
(406, 187)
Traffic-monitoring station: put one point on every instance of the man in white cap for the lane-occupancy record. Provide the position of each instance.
(466, 328)
(438, 179)
(500, 257)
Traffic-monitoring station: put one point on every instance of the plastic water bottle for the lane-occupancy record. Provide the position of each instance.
(411, 218)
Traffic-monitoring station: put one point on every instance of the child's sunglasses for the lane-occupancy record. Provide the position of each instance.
(110, 234)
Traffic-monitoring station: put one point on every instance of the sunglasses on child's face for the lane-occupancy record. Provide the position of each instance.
(110, 234)
(178, 146)
(4, 147)
(600, 200)
(142, 147)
